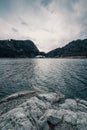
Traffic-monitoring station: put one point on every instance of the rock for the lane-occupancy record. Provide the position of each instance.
(16, 95)
(39, 113)
(15, 119)
(25, 115)
(82, 121)
(51, 97)
(35, 107)
(82, 107)
(70, 117)
(53, 116)
(83, 102)
(65, 126)
(43, 124)
(69, 104)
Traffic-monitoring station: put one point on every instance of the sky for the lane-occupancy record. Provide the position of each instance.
(48, 23)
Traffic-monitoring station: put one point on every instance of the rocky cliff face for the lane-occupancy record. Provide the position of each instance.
(44, 111)
(18, 48)
(74, 48)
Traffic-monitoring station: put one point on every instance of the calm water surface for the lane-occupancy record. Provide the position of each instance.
(66, 75)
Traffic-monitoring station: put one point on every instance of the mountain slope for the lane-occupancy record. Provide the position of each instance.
(18, 48)
(74, 48)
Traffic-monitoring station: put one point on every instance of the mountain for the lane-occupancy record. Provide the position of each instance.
(26, 48)
(76, 48)
(18, 48)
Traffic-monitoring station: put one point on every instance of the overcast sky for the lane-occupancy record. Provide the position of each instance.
(49, 23)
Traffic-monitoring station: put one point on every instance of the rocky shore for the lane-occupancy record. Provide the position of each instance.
(36, 110)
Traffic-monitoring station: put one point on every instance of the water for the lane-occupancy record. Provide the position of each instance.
(66, 75)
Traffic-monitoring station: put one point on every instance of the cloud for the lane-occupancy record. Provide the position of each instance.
(14, 29)
(49, 23)
(24, 23)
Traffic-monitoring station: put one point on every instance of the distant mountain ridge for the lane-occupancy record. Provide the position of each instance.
(73, 49)
(18, 48)
(26, 48)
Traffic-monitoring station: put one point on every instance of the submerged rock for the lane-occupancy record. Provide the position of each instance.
(45, 112)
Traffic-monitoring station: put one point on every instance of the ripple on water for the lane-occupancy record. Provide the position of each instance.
(66, 75)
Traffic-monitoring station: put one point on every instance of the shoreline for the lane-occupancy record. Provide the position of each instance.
(61, 57)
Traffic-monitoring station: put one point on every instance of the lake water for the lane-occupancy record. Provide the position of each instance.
(66, 75)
